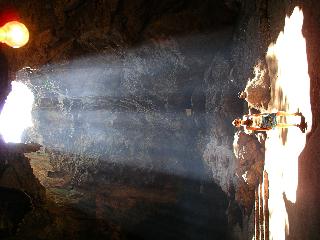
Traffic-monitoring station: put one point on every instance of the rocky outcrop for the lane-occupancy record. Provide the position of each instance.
(20, 190)
(17, 173)
(249, 152)
(257, 91)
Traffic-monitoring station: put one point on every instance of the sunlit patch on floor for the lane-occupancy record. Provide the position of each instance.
(16, 114)
(290, 92)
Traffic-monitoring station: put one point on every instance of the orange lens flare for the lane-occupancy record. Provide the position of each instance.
(14, 34)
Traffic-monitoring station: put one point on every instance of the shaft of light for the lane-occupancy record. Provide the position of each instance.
(16, 114)
(291, 92)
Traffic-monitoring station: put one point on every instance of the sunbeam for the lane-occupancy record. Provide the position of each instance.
(16, 114)
(290, 92)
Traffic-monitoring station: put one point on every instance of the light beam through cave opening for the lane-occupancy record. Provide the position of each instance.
(16, 114)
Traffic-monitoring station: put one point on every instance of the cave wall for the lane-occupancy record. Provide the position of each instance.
(111, 99)
(61, 30)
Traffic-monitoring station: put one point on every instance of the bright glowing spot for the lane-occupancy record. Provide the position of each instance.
(290, 91)
(16, 114)
(14, 34)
